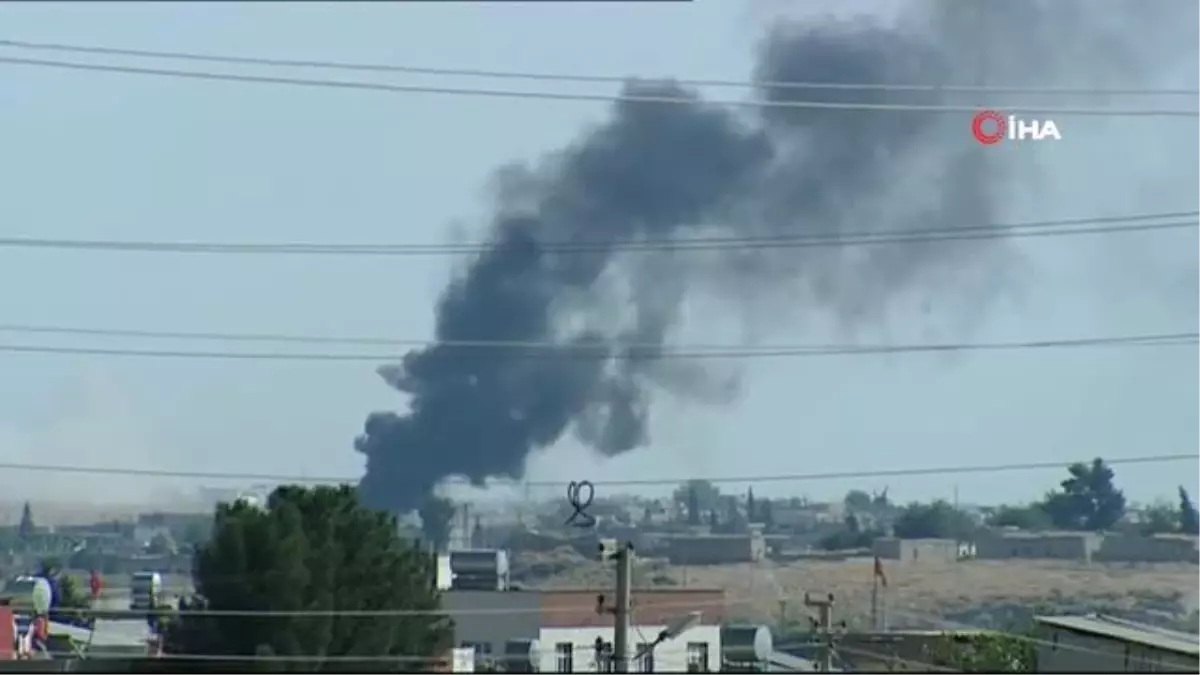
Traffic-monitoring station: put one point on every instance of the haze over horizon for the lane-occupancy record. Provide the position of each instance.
(107, 156)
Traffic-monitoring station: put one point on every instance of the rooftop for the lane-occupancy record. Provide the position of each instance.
(1127, 631)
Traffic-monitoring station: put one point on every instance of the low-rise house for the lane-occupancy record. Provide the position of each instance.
(716, 549)
(1098, 644)
(1004, 544)
(565, 625)
(1161, 548)
(916, 550)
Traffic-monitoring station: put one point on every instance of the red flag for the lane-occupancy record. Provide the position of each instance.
(879, 572)
(95, 584)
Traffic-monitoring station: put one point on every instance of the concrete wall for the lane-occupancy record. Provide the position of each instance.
(1066, 651)
(716, 549)
(1161, 548)
(916, 550)
(1087, 546)
(1002, 545)
(669, 657)
(493, 617)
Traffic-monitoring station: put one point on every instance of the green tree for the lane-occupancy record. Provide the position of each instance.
(1028, 517)
(985, 653)
(437, 516)
(27, 528)
(767, 511)
(880, 501)
(701, 494)
(937, 520)
(1189, 521)
(857, 501)
(67, 595)
(195, 531)
(1159, 518)
(751, 507)
(851, 536)
(314, 550)
(1088, 499)
(693, 505)
(71, 594)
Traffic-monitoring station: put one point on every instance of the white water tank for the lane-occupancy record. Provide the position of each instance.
(746, 644)
(522, 656)
(145, 589)
(481, 570)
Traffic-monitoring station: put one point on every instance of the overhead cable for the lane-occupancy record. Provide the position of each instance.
(566, 96)
(770, 478)
(535, 350)
(595, 349)
(566, 77)
(1177, 220)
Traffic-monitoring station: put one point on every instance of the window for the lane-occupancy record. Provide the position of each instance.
(565, 656)
(646, 663)
(697, 657)
(483, 651)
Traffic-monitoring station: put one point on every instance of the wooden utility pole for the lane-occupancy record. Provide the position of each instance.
(824, 608)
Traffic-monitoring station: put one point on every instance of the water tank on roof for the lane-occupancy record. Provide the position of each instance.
(482, 570)
(443, 573)
(745, 644)
(522, 656)
(145, 590)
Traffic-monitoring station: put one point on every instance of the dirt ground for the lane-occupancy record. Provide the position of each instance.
(974, 593)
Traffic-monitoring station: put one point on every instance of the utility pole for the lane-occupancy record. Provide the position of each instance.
(622, 554)
(624, 600)
(824, 629)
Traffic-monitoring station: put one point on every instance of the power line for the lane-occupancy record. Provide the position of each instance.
(346, 658)
(586, 602)
(564, 77)
(594, 349)
(585, 351)
(1043, 228)
(563, 96)
(772, 478)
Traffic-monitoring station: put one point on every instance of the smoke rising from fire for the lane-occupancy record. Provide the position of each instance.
(655, 171)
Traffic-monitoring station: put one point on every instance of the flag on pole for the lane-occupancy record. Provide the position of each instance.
(879, 572)
(95, 584)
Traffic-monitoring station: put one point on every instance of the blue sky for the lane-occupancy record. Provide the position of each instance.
(94, 155)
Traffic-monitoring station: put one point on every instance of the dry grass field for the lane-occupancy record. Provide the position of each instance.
(980, 594)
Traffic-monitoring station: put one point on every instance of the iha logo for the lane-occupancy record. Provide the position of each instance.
(990, 127)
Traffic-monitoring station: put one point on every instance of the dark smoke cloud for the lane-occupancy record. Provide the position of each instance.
(660, 171)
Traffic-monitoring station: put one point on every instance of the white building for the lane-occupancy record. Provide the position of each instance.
(573, 650)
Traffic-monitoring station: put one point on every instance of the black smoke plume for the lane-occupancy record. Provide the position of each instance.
(656, 171)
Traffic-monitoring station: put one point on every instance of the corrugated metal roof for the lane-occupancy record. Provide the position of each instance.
(786, 663)
(1127, 631)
